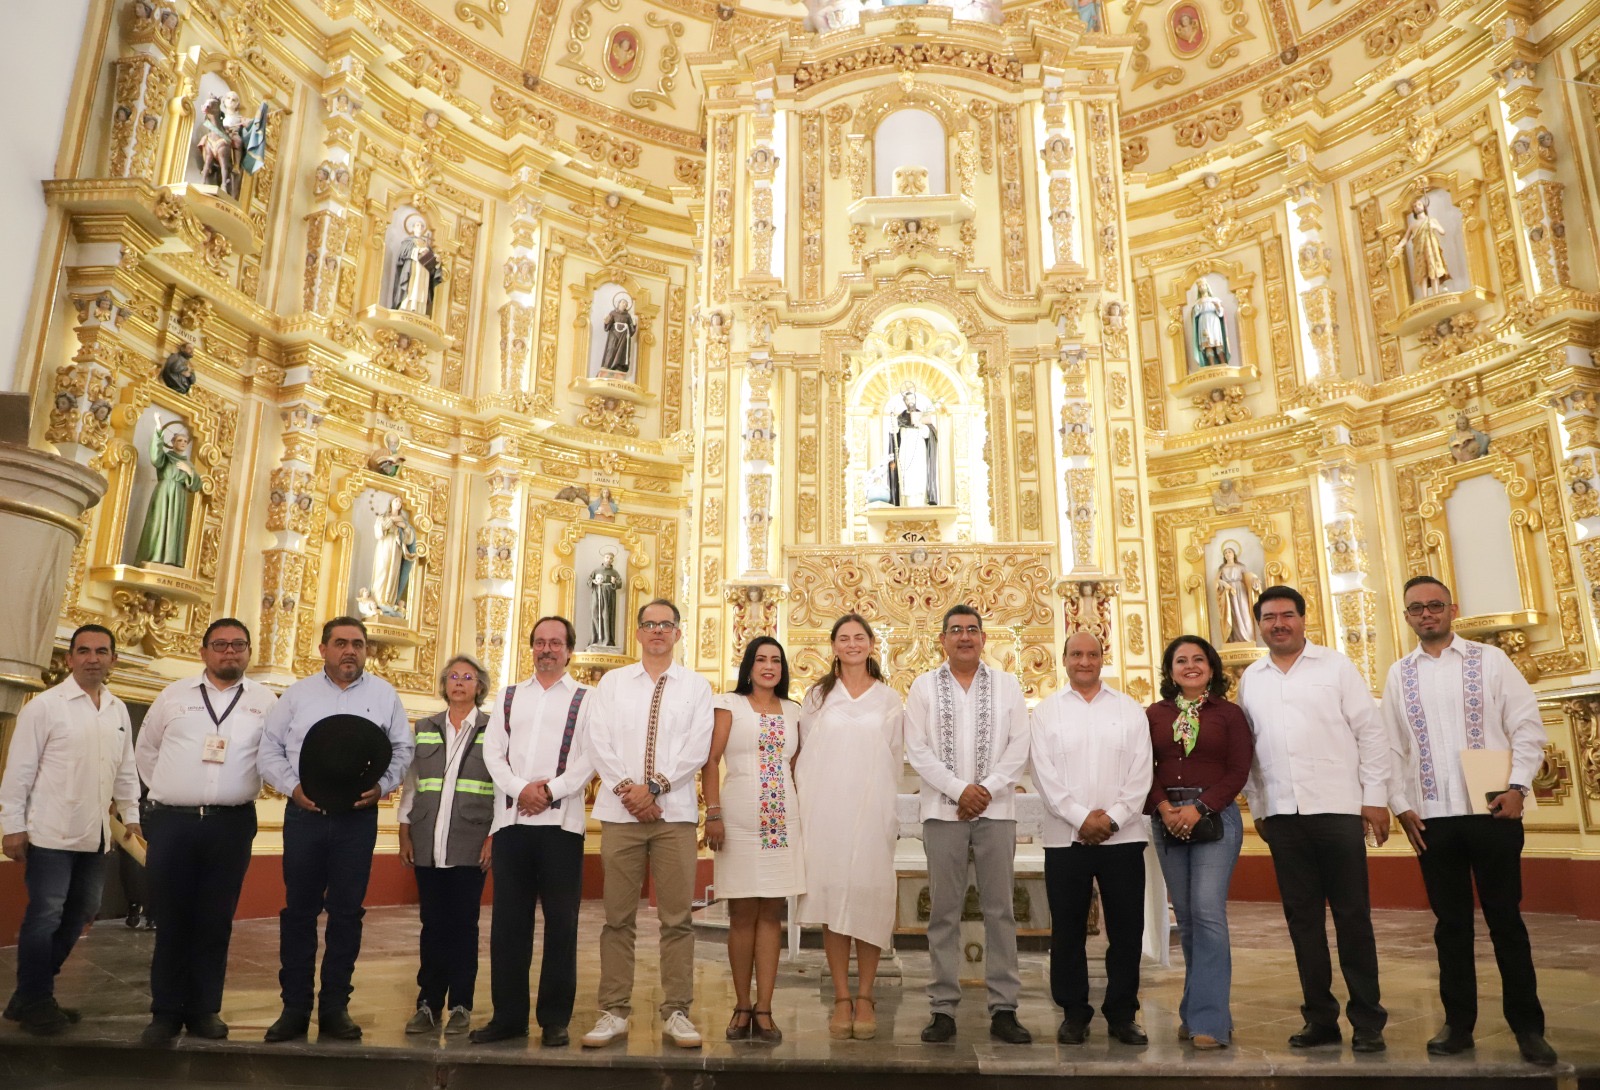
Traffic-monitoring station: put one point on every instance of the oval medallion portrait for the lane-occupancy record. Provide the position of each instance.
(1186, 29)
(623, 55)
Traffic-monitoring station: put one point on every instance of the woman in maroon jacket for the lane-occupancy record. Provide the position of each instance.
(1202, 747)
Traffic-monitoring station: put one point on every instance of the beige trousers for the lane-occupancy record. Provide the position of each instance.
(667, 850)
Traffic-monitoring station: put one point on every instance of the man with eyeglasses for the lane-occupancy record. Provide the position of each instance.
(71, 759)
(1317, 788)
(196, 753)
(1447, 698)
(967, 738)
(649, 734)
(327, 853)
(537, 751)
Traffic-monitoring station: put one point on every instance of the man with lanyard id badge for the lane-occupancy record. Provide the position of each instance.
(196, 752)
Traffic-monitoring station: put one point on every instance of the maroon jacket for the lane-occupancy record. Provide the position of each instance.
(1220, 762)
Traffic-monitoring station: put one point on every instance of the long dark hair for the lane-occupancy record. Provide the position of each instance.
(747, 668)
(831, 678)
(1216, 688)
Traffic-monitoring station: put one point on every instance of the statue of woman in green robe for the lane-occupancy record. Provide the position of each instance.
(165, 539)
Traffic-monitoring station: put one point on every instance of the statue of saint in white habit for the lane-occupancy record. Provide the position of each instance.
(913, 450)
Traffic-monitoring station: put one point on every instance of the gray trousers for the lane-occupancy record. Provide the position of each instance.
(993, 847)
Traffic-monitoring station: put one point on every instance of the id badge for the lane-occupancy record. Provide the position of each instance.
(215, 749)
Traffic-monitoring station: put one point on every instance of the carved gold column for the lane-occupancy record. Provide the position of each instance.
(1355, 612)
(495, 640)
(1312, 266)
(293, 497)
(1057, 154)
(1543, 234)
(143, 84)
(1577, 406)
(330, 270)
(519, 313)
(86, 388)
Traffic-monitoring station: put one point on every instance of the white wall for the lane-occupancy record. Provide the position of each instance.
(36, 80)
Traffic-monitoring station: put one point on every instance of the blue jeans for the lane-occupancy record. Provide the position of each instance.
(327, 859)
(1197, 878)
(63, 897)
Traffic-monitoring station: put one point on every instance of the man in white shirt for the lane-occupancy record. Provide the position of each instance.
(1447, 697)
(71, 756)
(1319, 780)
(537, 750)
(649, 734)
(967, 737)
(1092, 767)
(327, 853)
(196, 753)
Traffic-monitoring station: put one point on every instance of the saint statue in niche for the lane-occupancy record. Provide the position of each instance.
(1468, 444)
(165, 539)
(604, 584)
(1209, 328)
(230, 143)
(913, 450)
(177, 373)
(417, 270)
(1237, 590)
(621, 328)
(393, 556)
(1425, 235)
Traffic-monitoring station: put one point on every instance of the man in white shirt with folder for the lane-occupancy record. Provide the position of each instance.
(1466, 740)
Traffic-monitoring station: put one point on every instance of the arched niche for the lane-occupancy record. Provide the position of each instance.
(910, 137)
(397, 230)
(1481, 522)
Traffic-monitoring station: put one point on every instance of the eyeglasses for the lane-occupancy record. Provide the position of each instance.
(1417, 609)
(657, 626)
(549, 645)
(963, 630)
(462, 677)
(220, 646)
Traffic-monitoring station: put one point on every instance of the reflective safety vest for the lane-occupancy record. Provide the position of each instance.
(472, 805)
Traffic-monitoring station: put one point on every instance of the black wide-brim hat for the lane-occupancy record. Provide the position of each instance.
(343, 757)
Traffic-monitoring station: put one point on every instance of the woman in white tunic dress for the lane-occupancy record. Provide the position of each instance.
(847, 775)
(753, 824)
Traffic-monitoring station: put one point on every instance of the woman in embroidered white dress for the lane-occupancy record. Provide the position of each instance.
(847, 775)
(753, 825)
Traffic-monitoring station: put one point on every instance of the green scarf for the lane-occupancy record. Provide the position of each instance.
(1186, 728)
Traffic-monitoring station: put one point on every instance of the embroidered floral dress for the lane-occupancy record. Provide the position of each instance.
(761, 854)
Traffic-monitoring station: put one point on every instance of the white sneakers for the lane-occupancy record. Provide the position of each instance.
(677, 1029)
(680, 1031)
(606, 1030)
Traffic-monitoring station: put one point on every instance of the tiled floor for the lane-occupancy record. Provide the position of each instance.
(107, 979)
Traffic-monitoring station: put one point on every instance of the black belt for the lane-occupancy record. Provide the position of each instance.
(198, 811)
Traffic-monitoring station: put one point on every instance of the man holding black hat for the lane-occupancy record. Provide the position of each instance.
(335, 744)
(197, 753)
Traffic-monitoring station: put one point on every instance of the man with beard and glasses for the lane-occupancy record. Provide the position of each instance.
(196, 753)
(1320, 780)
(1448, 698)
(71, 757)
(327, 853)
(536, 747)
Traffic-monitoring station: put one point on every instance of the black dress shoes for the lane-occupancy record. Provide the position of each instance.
(1003, 1026)
(1072, 1033)
(291, 1025)
(492, 1031)
(1312, 1035)
(940, 1028)
(43, 1018)
(337, 1026)
(1448, 1042)
(1535, 1049)
(162, 1030)
(554, 1037)
(1129, 1033)
(13, 1011)
(206, 1026)
(1367, 1040)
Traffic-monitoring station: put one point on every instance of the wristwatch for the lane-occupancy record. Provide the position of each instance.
(1518, 787)
(1114, 826)
(654, 788)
